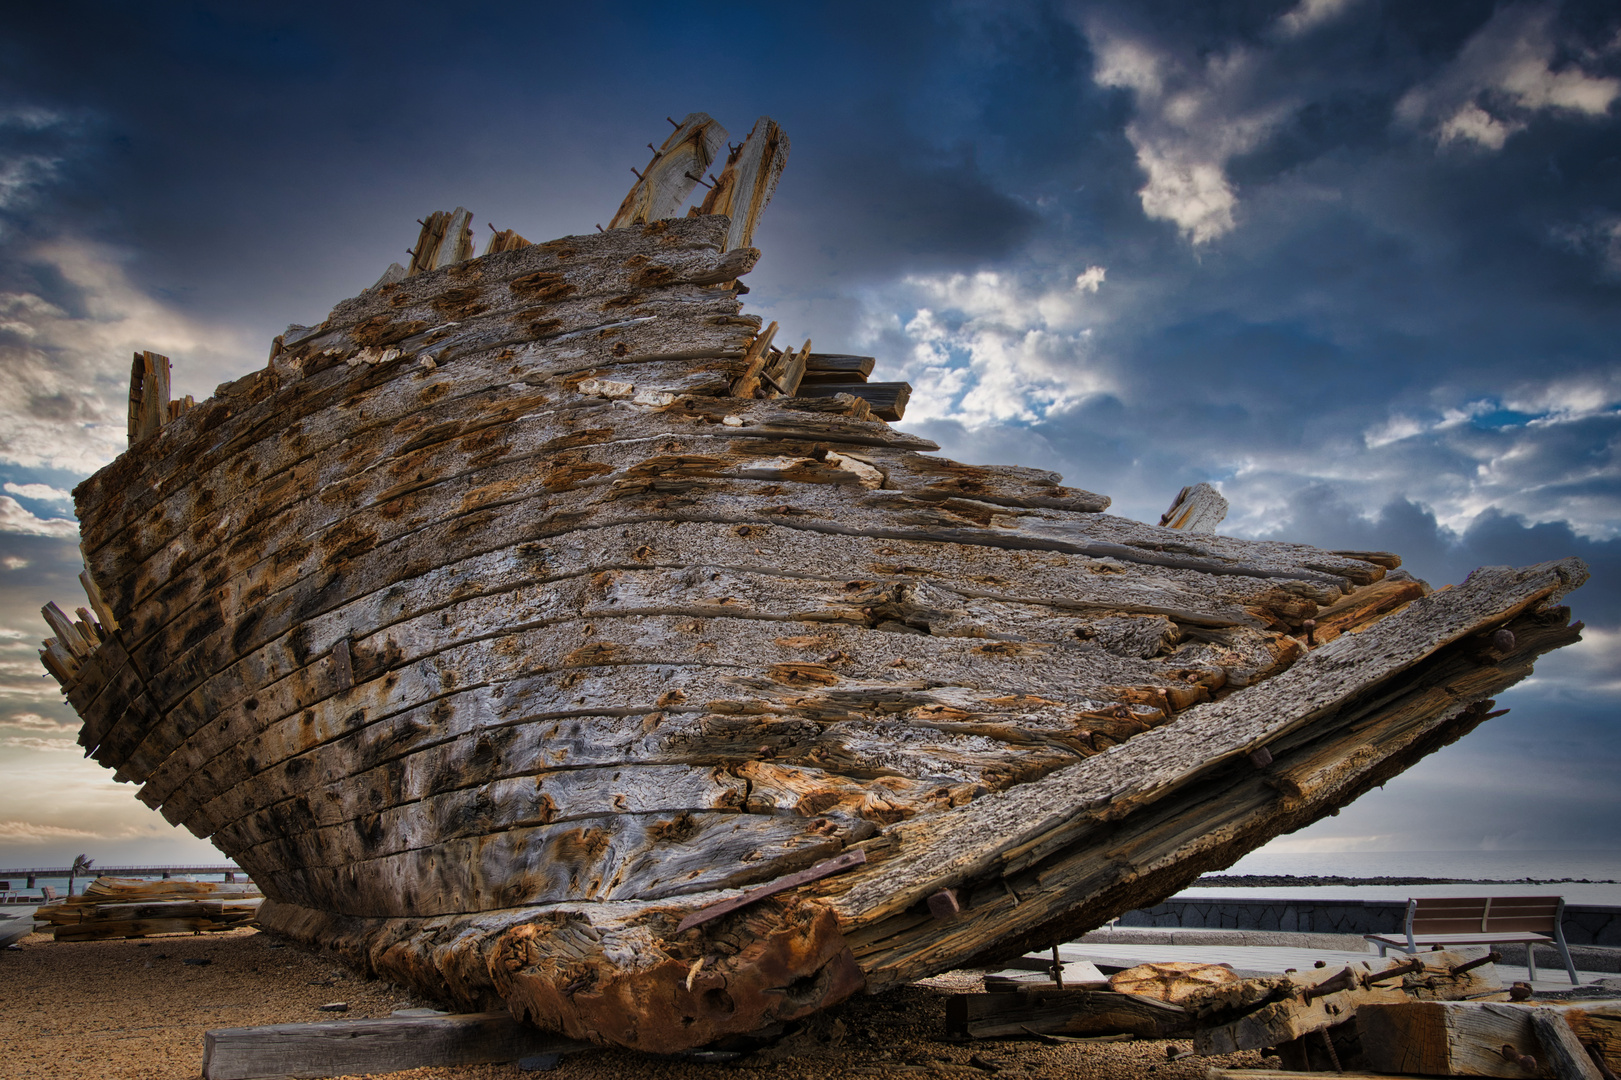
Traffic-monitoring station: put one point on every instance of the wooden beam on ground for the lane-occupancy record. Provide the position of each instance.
(1466, 1038)
(1063, 1012)
(1217, 1072)
(662, 188)
(745, 185)
(888, 400)
(342, 1047)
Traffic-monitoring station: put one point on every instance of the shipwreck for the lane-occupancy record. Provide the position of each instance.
(540, 630)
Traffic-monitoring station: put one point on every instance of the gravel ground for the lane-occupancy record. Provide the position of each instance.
(128, 1010)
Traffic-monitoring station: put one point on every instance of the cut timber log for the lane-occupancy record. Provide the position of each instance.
(662, 188)
(345, 1047)
(1217, 1072)
(1467, 1038)
(1199, 509)
(745, 185)
(1063, 1012)
(888, 400)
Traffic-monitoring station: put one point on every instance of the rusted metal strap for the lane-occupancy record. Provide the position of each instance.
(827, 868)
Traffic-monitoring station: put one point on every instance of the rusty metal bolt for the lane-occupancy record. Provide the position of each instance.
(1503, 640)
(1260, 757)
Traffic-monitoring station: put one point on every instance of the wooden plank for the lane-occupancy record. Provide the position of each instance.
(1063, 1012)
(1198, 509)
(838, 367)
(1219, 1072)
(746, 184)
(836, 865)
(888, 400)
(661, 189)
(343, 1047)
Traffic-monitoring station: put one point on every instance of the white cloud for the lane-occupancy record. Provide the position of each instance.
(1193, 116)
(13, 562)
(39, 492)
(988, 348)
(35, 743)
(1308, 15)
(15, 519)
(68, 373)
(29, 832)
(28, 721)
(1502, 78)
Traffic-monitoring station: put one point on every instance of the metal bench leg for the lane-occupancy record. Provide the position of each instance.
(1564, 953)
(1531, 962)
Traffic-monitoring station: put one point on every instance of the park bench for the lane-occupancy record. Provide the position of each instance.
(1449, 921)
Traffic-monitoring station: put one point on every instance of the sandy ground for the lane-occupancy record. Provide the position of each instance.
(128, 1010)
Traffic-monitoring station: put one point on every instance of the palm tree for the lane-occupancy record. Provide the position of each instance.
(81, 865)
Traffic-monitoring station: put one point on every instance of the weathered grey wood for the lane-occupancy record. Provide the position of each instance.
(1565, 1056)
(662, 188)
(1111, 785)
(445, 239)
(1453, 1038)
(343, 1047)
(746, 184)
(148, 395)
(888, 400)
(1197, 509)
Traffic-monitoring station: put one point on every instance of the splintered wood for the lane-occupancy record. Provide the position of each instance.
(533, 602)
(134, 907)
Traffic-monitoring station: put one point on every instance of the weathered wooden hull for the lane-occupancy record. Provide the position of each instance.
(493, 635)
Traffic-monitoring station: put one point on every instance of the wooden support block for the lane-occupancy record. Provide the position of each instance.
(944, 904)
(888, 400)
(1216, 1072)
(1064, 1012)
(342, 1047)
(1466, 1038)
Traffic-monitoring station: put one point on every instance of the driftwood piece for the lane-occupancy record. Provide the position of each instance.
(748, 180)
(1199, 508)
(1063, 1012)
(344, 1047)
(677, 166)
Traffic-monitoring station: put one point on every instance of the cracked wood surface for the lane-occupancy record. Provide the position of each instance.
(487, 595)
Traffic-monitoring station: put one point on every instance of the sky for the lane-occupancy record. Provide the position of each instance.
(1356, 263)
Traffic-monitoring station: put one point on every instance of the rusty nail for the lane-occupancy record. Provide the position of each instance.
(599, 227)
(1480, 961)
(653, 148)
(1057, 969)
(638, 175)
(424, 224)
(1260, 757)
(1514, 1057)
(674, 124)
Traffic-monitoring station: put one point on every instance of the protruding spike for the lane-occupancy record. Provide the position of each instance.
(104, 614)
(66, 631)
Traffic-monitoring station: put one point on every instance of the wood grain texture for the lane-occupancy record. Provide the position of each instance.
(500, 600)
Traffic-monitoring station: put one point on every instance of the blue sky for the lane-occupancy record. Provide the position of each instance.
(1358, 263)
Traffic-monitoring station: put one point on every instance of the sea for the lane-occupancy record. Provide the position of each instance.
(1581, 877)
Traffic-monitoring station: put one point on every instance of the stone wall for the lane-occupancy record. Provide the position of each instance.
(1583, 925)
